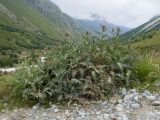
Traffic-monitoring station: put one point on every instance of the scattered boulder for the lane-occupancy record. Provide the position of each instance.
(135, 106)
(151, 97)
(156, 103)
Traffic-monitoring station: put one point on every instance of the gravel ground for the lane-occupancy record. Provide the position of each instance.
(132, 106)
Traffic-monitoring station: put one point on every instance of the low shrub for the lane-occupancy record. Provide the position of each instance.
(6, 61)
(92, 70)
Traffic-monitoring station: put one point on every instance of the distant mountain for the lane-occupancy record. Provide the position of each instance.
(94, 25)
(152, 24)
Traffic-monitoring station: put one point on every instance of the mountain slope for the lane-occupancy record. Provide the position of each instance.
(152, 24)
(37, 16)
(43, 19)
(150, 41)
(31, 24)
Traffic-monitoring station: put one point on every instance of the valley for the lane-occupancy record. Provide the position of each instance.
(58, 67)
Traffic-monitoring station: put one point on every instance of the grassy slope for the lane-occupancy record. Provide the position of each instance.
(27, 19)
(23, 33)
(128, 36)
(151, 43)
(21, 9)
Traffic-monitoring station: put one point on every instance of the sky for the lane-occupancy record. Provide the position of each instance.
(129, 13)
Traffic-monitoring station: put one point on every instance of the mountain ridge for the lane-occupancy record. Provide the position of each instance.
(152, 24)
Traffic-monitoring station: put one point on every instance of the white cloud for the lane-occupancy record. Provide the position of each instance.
(130, 13)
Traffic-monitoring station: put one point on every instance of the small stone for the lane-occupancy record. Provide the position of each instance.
(29, 115)
(23, 115)
(37, 118)
(67, 113)
(120, 101)
(83, 116)
(124, 92)
(4, 119)
(135, 106)
(58, 117)
(56, 110)
(106, 116)
(34, 108)
(119, 108)
(44, 114)
(128, 97)
(72, 119)
(15, 110)
(82, 113)
(133, 90)
(151, 98)
(156, 103)
(98, 112)
(145, 93)
(136, 98)
(104, 103)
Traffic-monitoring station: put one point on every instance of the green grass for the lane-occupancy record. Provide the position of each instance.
(29, 17)
(150, 43)
(4, 90)
(13, 40)
(22, 34)
(4, 86)
(21, 9)
(6, 100)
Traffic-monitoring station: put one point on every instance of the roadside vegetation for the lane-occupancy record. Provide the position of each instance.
(92, 70)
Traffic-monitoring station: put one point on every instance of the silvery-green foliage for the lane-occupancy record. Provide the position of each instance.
(90, 70)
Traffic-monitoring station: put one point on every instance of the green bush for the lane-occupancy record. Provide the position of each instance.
(6, 61)
(92, 70)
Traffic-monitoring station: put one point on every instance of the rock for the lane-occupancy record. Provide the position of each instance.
(82, 113)
(37, 117)
(15, 110)
(58, 117)
(124, 92)
(56, 110)
(106, 116)
(4, 119)
(34, 107)
(145, 93)
(133, 90)
(151, 98)
(128, 97)
(44, 114)
(98, 112)
(29, 114)
(135, 106)
(119, 108)
(136, 98)
(156, 103)
(122, 109)
(23, 115)
(120, 101)
(67, 113)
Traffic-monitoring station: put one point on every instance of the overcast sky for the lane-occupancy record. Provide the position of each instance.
(129, 13)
